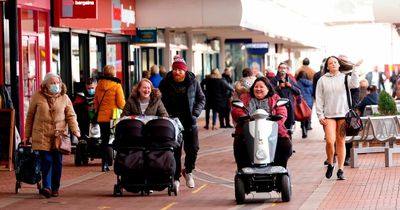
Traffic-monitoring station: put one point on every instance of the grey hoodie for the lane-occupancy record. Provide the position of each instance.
(330, 98)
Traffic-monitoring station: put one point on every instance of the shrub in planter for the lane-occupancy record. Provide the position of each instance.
(386, 104)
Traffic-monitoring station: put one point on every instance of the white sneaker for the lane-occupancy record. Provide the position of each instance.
(189, 180)
(176, 184)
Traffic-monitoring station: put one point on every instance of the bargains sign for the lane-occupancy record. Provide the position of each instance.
(81, 9)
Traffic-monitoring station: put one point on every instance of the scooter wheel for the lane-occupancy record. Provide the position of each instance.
(239, 190)
(286, 188)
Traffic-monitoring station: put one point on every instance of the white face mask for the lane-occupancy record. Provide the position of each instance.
(54, 88)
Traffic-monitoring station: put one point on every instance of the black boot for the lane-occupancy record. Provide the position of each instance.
(309, 125)
(304, 130)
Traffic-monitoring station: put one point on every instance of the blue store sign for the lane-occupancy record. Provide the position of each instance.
(146, 35)
(257, 48)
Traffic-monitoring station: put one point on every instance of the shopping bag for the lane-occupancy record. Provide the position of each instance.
(302, 111)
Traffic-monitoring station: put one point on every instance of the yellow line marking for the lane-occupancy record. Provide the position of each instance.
(169, 206)
(104, 207)
(274, 204)
(200, 188)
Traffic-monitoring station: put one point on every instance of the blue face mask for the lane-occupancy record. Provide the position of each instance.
(91, 91)
(54, 88)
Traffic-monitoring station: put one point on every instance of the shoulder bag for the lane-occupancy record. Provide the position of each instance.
(302, 111)
(353, 121)
(96, 114)
(60, 142)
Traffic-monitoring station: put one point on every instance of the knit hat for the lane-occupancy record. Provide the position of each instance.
(48, 76)
(179, 63)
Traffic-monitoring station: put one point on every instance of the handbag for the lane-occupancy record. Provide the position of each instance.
(353, 120)
(302, 111)
(96, 114)
(62, 143)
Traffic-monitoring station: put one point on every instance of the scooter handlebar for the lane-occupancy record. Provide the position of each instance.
(275, 117)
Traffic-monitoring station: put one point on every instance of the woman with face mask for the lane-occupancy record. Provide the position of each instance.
(145, 100)
(50, 110)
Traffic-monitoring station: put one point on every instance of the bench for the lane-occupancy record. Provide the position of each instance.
(373, 109)
(380, 134)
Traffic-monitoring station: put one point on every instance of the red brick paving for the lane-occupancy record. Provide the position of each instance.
(370, 186)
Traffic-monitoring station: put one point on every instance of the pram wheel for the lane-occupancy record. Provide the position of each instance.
(17, 187)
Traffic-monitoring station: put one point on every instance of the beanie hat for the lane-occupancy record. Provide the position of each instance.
(48, 76)
(179, 63)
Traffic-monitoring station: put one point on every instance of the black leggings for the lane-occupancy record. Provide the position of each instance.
(106, 149)
(282, 153)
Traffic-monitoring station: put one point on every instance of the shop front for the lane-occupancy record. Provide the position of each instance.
(88, 36)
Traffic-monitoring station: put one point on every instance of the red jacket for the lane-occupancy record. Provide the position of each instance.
(245, 98)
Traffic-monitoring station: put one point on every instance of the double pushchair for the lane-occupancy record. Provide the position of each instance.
(144, 160)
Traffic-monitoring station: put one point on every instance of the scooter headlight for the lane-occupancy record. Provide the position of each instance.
(261, 154)
(95, 130)
(248, 170)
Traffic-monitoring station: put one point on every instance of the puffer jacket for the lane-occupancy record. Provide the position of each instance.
(196, 97)
(245, 98)
(111, 89)
(155, 107)
(41, 125)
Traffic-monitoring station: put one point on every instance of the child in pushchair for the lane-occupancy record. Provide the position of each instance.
(145, 154)
(88, 146)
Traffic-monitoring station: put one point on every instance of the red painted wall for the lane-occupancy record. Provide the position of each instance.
(103, 23)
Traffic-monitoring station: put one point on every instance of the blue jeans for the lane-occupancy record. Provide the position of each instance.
(214, 116)
(51, 169)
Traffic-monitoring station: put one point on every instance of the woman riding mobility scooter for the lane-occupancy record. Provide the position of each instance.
(261, 145)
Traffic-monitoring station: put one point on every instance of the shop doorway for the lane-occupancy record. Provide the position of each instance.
(29, 68)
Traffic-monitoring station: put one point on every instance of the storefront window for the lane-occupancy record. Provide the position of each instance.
(42, 42)
(95, 57)
(114, 57)
(75, 63)
(55, 49)
(27, 21)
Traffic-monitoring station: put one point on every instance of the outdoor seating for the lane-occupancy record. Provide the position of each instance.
(380, 134)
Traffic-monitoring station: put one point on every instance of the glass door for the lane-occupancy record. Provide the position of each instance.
(30, 68)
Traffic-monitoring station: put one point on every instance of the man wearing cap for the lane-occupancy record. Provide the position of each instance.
(183, 98)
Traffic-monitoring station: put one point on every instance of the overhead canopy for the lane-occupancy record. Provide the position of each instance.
(263, 21)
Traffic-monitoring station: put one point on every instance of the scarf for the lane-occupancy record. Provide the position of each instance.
(258, 104)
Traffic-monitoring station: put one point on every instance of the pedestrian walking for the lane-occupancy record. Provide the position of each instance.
(215, 90)
(183, 98)
(226, 113)
(306, 88)
(306, 68)
(286, 87)
(155, 77)
(109, 95)
(331, 111)
(50, 110)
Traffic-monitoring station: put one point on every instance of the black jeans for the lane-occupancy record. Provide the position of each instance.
(191, 146)
(282, 153)
(106, 149)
